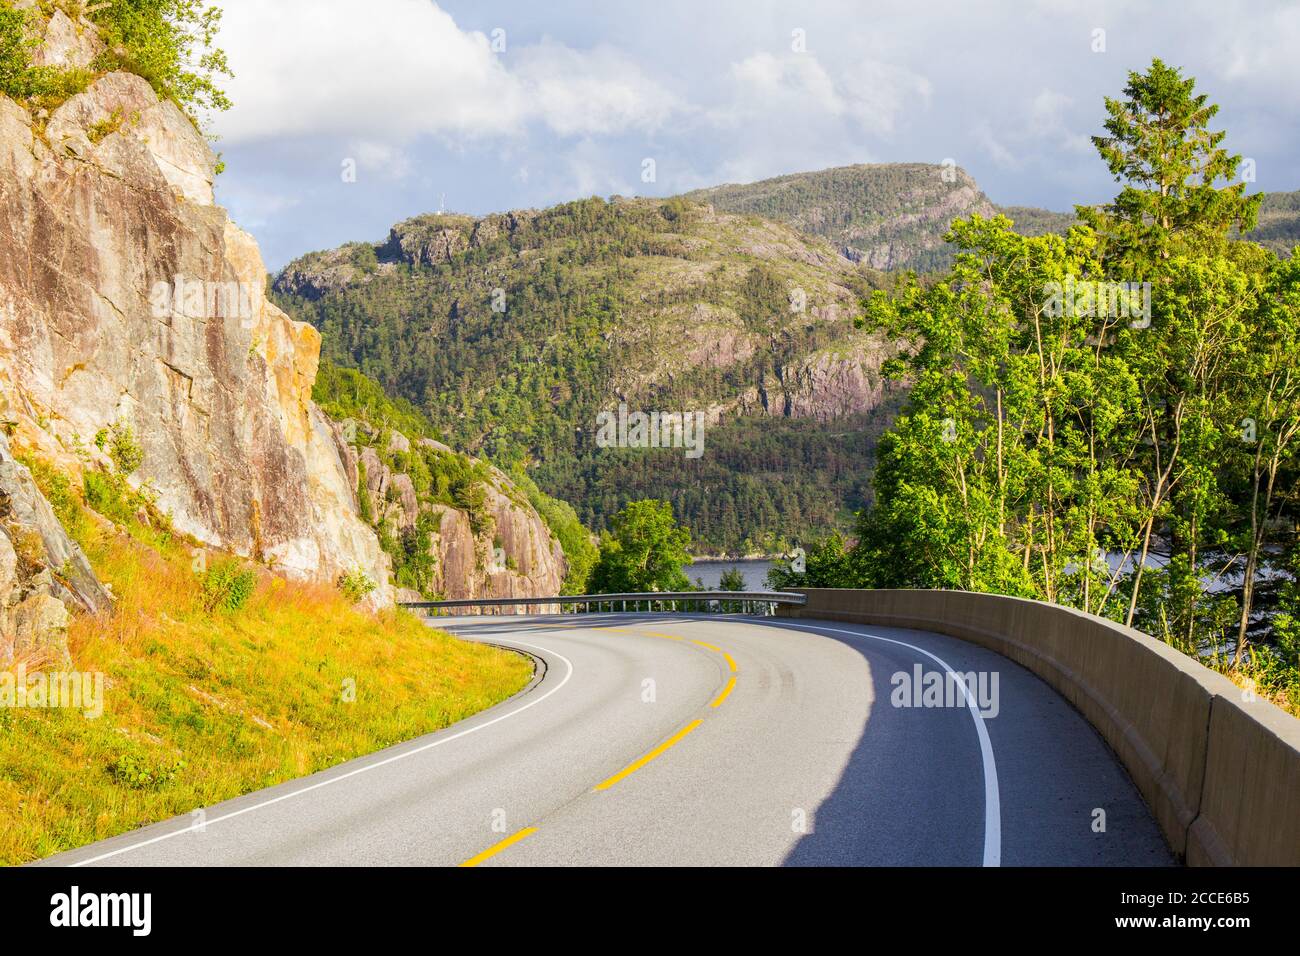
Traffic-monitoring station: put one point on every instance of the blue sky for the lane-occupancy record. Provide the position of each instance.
(501, 104)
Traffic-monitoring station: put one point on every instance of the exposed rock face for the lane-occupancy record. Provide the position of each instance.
(825, 386)
(42, 572)
(427, 240)
(898, 242)
(126, 296)
(319, 273)
(430, 239)
(66, 42)
(519, 557)
(513, 553)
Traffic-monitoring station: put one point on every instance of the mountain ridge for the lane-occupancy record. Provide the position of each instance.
(512, 330)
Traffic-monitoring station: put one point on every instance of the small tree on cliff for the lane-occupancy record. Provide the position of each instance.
(169, 43)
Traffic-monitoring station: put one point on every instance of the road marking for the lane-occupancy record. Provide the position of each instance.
(731, 661)
(726, 692)
(992, 800)
(658, 751)
(494, 850)
(351, 773)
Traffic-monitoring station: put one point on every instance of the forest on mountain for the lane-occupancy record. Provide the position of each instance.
(512, 332)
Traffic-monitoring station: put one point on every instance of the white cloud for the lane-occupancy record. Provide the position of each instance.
(599, 91)
(987, 140)
(330, 66)
(870, 93)
(877, 93)
(1046, 122)
(395, 69)
(768, 82)
(385, 159)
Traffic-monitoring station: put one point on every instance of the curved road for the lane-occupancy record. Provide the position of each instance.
(655, 739)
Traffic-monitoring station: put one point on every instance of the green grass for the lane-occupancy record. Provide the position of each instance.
(204, 705)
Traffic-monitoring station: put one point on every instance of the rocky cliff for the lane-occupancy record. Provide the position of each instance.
(128, 299)
(483, 538)
(43, 573)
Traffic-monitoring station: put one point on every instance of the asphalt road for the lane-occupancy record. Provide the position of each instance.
(653, 739)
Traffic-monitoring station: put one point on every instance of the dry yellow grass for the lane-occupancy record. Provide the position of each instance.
(202, 706)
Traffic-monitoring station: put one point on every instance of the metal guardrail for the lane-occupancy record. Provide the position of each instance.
(718, 602)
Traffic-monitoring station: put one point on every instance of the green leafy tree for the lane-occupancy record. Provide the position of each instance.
(1170, 225)
(827, 563)
(1178, 180)
(15, 51)
(1054, 446)
(731, 580)
(170, 44)
(646, 550)
(1266, 410)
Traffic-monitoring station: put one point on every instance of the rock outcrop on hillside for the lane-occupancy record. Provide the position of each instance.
(128, 298)
(499, 548)
(43, 572)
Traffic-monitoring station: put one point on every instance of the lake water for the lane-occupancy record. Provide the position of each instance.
(755, 572)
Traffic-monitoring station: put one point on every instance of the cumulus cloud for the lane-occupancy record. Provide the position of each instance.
(395, 69)
(383, 159)
(870, 93)
(597, 91)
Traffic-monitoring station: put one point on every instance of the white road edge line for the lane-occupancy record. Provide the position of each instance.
(351, 773)
(992, 801)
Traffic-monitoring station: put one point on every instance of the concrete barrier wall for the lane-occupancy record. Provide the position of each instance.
(1220, 773)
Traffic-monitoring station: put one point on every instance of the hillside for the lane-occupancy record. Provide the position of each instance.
(1279, 223)
(891, 216)
(454, 526)
(512, 332)
(215, 678)
(162, 330)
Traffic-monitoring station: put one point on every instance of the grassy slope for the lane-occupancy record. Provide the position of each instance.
(203, 706)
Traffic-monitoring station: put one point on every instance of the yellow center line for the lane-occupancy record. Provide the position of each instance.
(658, 751)
(494, 850)
(731, 665)
(726, 691)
